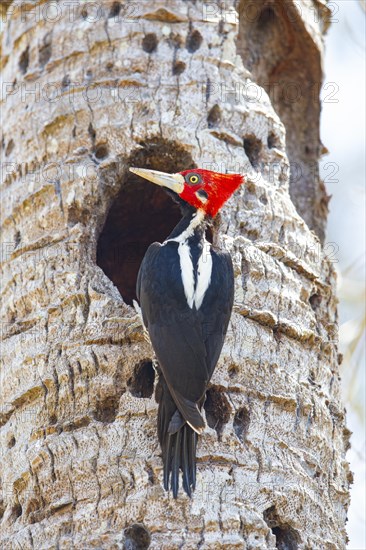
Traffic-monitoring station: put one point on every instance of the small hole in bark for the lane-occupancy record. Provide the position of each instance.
(281, 235)
(263, 199)
(245, 270)
(109, 66)
(9, 147)
(65, 82)
(150, 42)
(53, 419)
(24, 61)
(214, 116)
(150, 475)
(346, 438)
(217, 409)
(33, 511)
(11, 442)
(140, 214)
(16, 512)
(17, 238)
(137, 537)
(241, 423)
(175, 40)
(45, 50)
(179, 67)
(252, 234)
(115, 10)
(253, 148)
(78, 214)
(194, 41)
(101, 152)
(315, 301)
(286, 537)
(142, 382)
(84, 13)
(85, 420)
(272, 140)
(106, 409)
(233, 371)
(92, 133)
(2, 509)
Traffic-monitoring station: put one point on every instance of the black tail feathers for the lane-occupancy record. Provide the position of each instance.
(179, 453)
(178, 444)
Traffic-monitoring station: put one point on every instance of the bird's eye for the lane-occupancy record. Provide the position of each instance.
(194, 178)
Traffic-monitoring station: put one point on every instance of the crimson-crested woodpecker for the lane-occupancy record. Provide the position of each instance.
(185, 287)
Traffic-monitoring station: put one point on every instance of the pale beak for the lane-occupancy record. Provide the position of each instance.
(175, 182)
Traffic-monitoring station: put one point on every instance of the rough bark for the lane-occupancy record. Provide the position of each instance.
(281, 43)
(87, 93)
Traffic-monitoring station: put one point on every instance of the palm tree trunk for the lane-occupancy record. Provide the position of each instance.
(88, 90)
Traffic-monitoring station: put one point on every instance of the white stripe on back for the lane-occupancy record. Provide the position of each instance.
(204, 272)
(186, 269)
(194, 293)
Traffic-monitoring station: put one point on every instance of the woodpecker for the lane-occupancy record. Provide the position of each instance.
(185, 287)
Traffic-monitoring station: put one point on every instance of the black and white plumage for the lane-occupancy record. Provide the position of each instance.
(185, 289)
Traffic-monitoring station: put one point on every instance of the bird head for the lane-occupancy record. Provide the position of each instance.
(202, 189)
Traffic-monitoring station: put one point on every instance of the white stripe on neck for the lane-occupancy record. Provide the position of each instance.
(194, 293)
(195, 221)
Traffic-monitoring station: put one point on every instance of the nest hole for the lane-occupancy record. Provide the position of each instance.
(140, 214)
(286, 538)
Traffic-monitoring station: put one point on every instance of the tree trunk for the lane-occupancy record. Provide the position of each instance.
(89, 90)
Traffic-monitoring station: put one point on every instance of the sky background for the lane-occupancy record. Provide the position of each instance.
(343, 133)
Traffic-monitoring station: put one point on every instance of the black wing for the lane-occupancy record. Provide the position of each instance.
(187, 342)
(217, 306)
